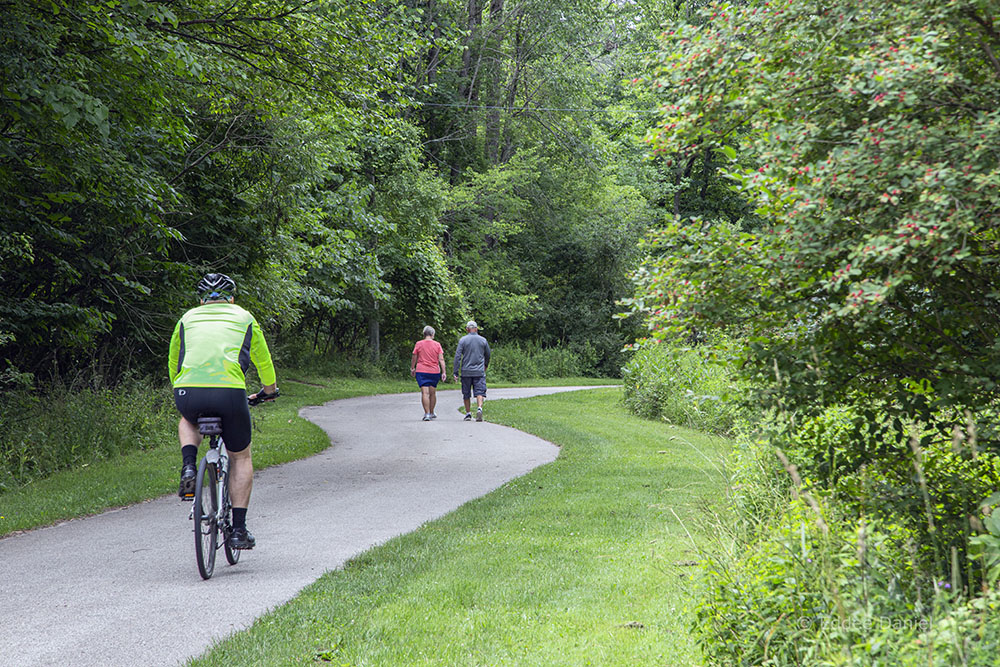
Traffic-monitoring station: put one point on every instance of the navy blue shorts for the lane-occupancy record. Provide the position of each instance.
(427, 379)
(476, 385)
(228, 403)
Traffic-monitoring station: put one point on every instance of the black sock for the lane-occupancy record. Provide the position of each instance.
(239, 517)
(189, 454)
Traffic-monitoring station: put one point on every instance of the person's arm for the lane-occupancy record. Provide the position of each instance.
(458, 359)
(444, 368)
(260, 355)
(486, 355)
(173, 358)
(413, 363)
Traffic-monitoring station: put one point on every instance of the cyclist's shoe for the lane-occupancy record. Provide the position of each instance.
(188, 475)
(241, 538)
(427, 417)
(479, 415)
(468, 417)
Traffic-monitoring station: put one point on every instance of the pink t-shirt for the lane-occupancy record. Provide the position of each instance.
(427, 352)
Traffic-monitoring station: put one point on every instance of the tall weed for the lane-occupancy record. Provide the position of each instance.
(849, 550)
(684, 386)
(66, 426)
(520, 362)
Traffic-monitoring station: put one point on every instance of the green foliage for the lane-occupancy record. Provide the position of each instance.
(859, 482)
(986, 548)
(71, 426)
(864, 136)
(963, 634)
(514, 362)
(541, 248)
(888, 470)
(683, 386)
(144, 144)
(862, 294)
(802, 593)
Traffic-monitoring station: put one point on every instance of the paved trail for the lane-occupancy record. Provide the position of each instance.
(122, 588)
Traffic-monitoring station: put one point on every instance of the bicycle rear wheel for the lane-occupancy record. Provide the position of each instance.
(206, 522)
(232, 555)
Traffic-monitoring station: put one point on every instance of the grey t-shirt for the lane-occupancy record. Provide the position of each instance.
(472, 356)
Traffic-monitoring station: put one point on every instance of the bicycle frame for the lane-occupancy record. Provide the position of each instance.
(217, 456)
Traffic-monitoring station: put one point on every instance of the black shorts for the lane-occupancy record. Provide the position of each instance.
(225, 402)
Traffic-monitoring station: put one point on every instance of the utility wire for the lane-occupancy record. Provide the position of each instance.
(469, 106)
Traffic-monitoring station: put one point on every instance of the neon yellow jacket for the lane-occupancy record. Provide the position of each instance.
(213, 346)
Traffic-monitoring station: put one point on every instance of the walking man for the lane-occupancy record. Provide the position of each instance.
(472, 358)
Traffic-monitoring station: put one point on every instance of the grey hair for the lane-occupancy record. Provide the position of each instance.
(428, 330)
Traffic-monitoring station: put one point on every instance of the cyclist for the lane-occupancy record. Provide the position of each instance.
(210, 350)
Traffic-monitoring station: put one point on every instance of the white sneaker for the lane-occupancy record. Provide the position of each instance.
(427, 418)
(479, 415)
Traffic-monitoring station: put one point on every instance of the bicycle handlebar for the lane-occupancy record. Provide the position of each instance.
(260, 397)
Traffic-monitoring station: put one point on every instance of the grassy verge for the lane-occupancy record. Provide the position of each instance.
(585, 561)
(279, 436)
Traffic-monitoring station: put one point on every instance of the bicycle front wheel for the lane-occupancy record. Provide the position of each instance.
(206, 521)
(232, 555)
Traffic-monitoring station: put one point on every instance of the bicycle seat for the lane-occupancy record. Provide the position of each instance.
(210, 425)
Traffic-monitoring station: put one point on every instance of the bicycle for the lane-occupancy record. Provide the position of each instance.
(212, 510)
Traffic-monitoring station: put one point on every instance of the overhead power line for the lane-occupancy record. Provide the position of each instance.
(484, 106)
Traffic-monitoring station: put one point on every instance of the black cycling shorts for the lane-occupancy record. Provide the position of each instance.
(225, 402)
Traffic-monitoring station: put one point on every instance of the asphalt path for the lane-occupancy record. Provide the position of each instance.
(122, 587)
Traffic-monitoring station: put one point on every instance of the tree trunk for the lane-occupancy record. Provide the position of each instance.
(374, 335)
(469, 90)
(515, 79)
(494, 55)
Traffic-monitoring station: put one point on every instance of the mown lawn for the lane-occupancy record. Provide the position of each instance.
(585, 561)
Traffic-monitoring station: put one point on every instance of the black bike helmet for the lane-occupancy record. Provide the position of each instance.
(216, 285)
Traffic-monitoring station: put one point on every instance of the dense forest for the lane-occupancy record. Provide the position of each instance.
(788, 210)
(360, 168)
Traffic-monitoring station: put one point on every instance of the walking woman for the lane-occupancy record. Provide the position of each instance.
(427, 366)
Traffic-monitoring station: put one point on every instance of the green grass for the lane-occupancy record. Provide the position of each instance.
(585, 561)
(279, 436)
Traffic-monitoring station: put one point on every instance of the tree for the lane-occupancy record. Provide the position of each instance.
(867, 136)
(146, 142)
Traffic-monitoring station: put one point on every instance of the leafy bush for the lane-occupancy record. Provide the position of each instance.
(889, 469)
(517, 363)
(66, 426)
(296, 353)
(962, 634)
(874, 569)
(683, 386)
(555, 362)
(512, 363)
(811, 590)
